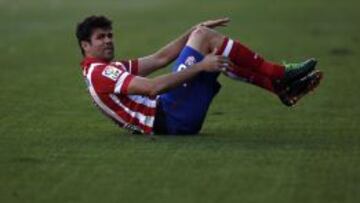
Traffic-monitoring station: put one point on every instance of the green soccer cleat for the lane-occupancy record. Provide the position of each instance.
(293, 92)
(295, 71)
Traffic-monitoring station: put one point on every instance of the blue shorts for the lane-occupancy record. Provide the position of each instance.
(185, 107)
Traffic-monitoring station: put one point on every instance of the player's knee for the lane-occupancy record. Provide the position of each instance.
(200, 32)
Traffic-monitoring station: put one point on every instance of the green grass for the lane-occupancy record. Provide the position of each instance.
(56, 147)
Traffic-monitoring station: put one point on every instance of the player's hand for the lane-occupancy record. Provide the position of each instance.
(220, 22)
(215, 63)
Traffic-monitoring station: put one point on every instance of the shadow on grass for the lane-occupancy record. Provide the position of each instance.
(249, 140)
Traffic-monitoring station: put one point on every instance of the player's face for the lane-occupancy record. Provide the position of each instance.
(101, 44)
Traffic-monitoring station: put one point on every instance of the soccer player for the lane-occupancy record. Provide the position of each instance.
(177, 103)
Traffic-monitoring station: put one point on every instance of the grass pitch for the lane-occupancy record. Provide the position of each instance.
(56, 147)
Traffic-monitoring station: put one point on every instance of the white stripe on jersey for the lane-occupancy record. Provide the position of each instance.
(151, 103)
(98, 101)
(145, 120)
(120, 82)
(118, 63)
(130, 66)
(228, 48)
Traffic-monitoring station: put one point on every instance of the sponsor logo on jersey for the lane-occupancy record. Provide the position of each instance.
(111, 72)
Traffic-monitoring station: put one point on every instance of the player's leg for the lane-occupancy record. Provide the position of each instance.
(253, 68)
(184, 108)
(289, 92)
(207, 39)
(246, 58)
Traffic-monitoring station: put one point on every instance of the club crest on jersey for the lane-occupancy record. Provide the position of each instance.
(111, 72)
(190, 61)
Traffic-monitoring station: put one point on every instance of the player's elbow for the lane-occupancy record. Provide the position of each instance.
(153, 89)
(143, 86)
(161, 59)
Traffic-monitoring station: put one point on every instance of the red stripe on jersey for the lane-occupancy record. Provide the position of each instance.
(135, 67)
(124, 87)
(100, 83)
(123, 114)
(134, 106)
(132, 66)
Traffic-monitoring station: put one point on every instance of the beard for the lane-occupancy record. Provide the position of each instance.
(108, 54)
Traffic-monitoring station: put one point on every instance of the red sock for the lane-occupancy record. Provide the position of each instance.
(251, 77)
(247, 59)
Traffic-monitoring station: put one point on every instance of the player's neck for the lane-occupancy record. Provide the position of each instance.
(97, 59)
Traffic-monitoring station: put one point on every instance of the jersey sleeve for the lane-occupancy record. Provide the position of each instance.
(132, 66)
(110, 79)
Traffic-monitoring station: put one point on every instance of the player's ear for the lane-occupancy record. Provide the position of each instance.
(85, 45)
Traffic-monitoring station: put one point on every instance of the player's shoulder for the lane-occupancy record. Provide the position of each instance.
(107, 71)
(126, 64)
(130, 65)
(113, 68)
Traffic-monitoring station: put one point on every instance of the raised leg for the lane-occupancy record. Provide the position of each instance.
(186, 106)
(283, 80)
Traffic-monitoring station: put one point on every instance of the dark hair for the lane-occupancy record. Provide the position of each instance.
(85, 28)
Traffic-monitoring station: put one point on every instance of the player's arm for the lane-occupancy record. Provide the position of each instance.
(168, 53)
(163, 83)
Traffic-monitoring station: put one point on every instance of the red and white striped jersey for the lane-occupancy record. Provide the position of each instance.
(108, 83)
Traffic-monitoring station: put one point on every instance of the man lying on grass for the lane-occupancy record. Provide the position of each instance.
(177, 103)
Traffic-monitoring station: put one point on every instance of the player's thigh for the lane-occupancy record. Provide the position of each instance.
(205, 40)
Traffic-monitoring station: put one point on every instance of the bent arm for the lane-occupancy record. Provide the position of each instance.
(163, 56)
(168, 53)
(163, 83)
